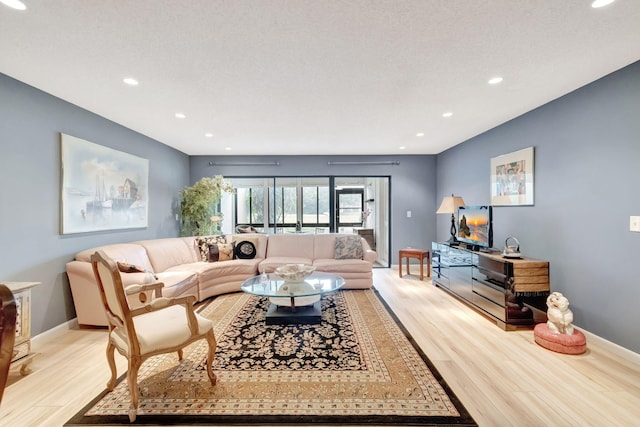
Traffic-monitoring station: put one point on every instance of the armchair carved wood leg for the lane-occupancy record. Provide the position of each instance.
(112, 365)
(211, 340)
(180, 353)
(132, 379)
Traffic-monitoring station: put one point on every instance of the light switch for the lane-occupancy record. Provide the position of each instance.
(409, 215)
(634, 223)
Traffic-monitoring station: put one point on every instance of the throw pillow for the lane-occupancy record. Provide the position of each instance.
(348, 247)
(220, 252)
(129, 268)
(245, 250)
(245, 238)
(202, 245)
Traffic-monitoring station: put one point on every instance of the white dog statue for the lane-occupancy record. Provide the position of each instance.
(559, 317)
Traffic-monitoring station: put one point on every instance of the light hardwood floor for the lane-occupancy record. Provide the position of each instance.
(503, 378)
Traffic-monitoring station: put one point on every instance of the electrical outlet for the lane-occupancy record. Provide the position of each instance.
(634, 223)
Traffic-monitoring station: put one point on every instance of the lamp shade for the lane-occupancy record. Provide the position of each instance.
(450, 205)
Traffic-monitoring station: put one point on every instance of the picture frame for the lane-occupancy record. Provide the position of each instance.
(512, 178)
(101, 188)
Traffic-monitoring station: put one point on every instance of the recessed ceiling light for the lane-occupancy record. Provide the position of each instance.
(130, 81)
(14, 4)
(181, 115)
(402, 148)
(601, 3)
(495, 80)
(419, 134)
(227, 148)
(447, 114)
(208, 135)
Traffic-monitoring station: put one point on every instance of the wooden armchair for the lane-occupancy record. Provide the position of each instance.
(7, 334)
(161, 326)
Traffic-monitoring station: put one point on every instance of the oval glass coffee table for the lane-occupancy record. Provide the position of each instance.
(293, 302)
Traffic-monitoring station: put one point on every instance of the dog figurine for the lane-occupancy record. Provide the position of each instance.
(559, 317)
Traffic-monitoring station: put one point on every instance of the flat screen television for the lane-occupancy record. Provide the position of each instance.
(475, 226)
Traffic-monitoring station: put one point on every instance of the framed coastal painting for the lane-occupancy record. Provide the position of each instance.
(102, 188)
(512, 178)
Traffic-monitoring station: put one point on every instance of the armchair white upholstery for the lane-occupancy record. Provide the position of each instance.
(159, 325)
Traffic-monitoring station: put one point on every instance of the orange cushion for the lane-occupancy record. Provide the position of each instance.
(561, 343)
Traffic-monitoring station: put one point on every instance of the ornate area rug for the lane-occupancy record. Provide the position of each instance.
(357, 367)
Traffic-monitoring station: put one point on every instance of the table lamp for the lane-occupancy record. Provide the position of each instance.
(450, 205)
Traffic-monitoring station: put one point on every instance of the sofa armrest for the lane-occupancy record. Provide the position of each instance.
(86, 295)
(368, 254)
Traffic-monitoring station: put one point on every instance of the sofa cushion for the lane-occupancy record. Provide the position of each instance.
(244, 250)
(258, 240)
(167, 252)
(269, 265)
(178, 283)
(340, 266)
(208, 271)
(291, 245)
(245, 238)
(348, 247)
(129, 268)
(129, 253)
(221, 252)
(202, 244)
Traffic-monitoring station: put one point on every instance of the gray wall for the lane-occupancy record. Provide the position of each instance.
(412, 186)
(31, 247)
(587, 149)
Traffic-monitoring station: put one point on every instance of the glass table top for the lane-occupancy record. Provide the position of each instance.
(272, 285)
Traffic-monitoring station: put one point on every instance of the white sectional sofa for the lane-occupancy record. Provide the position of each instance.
(179, 264)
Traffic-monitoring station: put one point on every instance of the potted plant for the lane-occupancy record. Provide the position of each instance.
(199, 206)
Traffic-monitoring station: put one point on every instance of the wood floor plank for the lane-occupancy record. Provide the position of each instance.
(502, 378)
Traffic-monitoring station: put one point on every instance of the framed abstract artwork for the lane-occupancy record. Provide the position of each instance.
(512, 178)
(102, 188)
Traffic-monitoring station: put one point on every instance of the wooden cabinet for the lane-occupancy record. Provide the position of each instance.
(22, 355)
(510, 291)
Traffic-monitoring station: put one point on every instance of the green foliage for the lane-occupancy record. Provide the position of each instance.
(199, 206)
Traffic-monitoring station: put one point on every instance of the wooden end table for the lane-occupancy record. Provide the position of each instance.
(420, 255)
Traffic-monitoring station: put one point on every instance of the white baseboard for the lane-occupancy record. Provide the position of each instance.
(622, 352)
(56, 332)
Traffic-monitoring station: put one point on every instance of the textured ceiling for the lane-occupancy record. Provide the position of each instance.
(314, 77)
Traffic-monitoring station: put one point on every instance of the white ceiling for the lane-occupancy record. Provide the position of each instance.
(314, 76)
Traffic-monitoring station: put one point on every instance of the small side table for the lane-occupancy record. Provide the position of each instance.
(420, 255)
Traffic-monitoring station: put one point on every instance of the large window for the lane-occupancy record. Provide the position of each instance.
(343, 204)
(292, 204)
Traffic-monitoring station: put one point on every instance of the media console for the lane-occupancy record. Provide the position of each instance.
(511, 291)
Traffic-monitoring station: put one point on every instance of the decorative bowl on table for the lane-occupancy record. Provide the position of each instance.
(294, 272)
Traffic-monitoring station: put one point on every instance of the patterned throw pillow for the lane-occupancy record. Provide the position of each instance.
(220, 252)
(245, 250)
(129, 268)
(203, 242)
(132, 268)
(348, 247)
